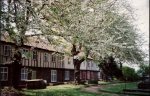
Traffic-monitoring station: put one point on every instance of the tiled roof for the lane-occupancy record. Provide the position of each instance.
(5, 37)
(31, 41)
(40, 43)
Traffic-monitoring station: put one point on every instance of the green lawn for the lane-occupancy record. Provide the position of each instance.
(112, 82)
(63, 90)
(119, 88)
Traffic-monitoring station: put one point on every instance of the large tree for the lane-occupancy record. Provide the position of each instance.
(88, 26)
(97, 27)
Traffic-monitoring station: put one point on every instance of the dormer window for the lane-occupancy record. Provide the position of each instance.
(25, 52)
(53, 58)
(69, 61)
(34, 55)
(45, 57)
(7, 50)
(89, 64)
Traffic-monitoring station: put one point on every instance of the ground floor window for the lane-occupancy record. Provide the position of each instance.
(84, 75)
(92, 76)
(4, 74)
(33, 74)
(67, 75)
(24, 74)
(53, 76)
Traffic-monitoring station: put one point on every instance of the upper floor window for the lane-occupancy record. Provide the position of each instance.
(53, 58)
(4, 73)
(7, 50)
(45, 56)
(89, 64)
(69, 61)
(34, 55)
(25, 52)
(84, 63)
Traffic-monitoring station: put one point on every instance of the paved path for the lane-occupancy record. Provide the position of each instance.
(96, 89)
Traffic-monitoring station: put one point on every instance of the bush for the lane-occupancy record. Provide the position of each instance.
(129, 74)
(36, 84)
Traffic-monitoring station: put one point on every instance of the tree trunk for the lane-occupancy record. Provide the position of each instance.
(77, 64)
(16, 69)
(16, 74)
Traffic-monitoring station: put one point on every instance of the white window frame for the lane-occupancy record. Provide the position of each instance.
(7, 50)
(45, 57)
(24, 74)
(67, 75)
(53, 75)
(3, 73)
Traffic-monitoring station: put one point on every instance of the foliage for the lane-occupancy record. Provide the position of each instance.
(110, 68)
(144, 69)
(96, 26)
(129, 74)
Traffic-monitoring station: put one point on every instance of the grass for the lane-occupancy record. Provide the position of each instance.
(73, 90)
(63, 90)
(119, 88)
(112, 82)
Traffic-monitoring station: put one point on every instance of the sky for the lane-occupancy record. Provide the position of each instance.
(142, 16)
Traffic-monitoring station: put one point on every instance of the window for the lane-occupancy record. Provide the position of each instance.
(33, 74)
(25, 52)
(7, 50)
(66, 75)
(92, 75)
(45, 56)
(53, 75)
(24, 74)
(69, 61)
(84, 75)
(84, 63)
(34, 55)
(89, 64)
(4, 73)
(53, 58)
